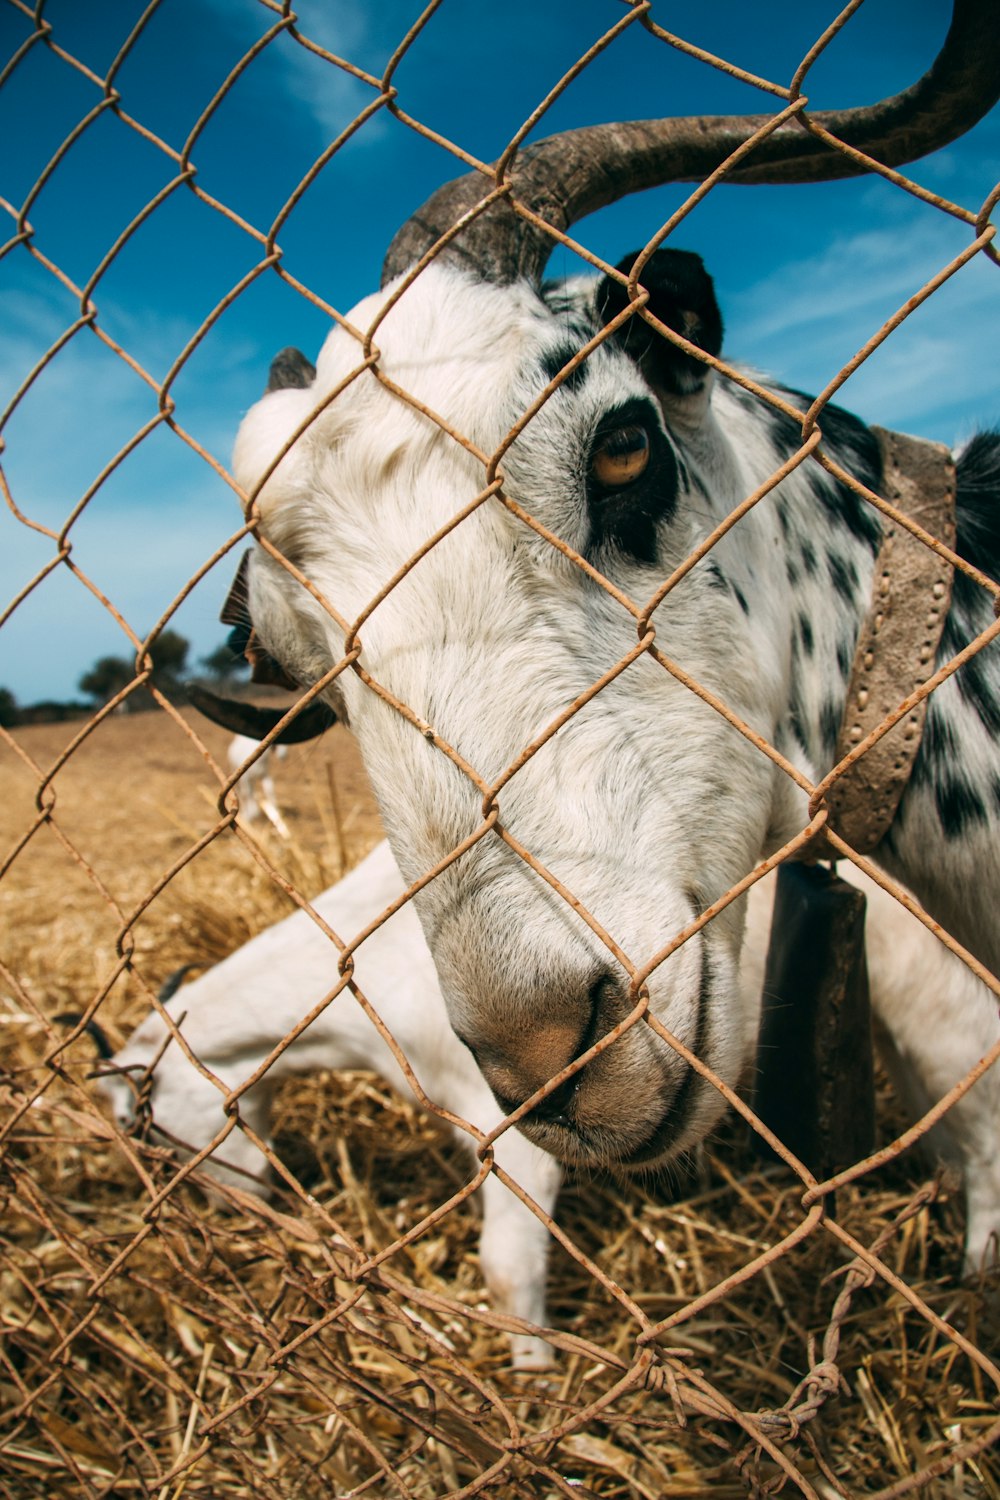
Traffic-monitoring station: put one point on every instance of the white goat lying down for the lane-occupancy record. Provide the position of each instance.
(239, 1010)
(234, 1015)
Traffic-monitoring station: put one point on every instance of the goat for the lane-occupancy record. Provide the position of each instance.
(256, 785)
(639, 806)
(938, 1016)
(236, 1013)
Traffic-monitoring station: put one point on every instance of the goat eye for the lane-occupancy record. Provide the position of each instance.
(620, 456)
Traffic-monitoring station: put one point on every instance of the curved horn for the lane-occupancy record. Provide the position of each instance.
(566, 176)
(255, 721)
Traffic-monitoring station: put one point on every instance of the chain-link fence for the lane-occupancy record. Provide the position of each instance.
(739, 1329)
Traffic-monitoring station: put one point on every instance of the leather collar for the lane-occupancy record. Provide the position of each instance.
(897, 647)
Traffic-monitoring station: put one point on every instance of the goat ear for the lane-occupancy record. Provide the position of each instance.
(242, 639)
(682, 296)
(265, 668)
(290, 367)
(255, 721)
(236, 610)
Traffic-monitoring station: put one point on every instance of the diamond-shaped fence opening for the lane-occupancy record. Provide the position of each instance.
(267, 1228)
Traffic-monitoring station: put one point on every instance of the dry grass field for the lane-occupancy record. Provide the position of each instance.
(197, 1350)
(131, 801)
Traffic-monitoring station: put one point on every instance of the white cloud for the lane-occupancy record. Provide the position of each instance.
(152, 522)
(869, 272)
(934, 373)
(319, 90)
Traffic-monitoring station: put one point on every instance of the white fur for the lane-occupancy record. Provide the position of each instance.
(256, 784)
(940, 1019)
(237, 1012)
(646, 805)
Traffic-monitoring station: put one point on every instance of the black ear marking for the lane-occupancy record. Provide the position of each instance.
(682, 296)
(289, 367)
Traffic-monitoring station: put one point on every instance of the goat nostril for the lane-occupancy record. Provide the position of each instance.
(554, 1109)
(517, 1070)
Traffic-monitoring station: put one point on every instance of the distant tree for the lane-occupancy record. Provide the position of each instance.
(106, 677)
(8, 708)
(110, 674)
(169, 653)
(50, 711)
(224, 663)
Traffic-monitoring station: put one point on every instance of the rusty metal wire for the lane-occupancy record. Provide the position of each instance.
(296, 1346)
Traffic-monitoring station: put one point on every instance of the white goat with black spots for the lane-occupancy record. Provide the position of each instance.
(645, 805)
(939, 1017)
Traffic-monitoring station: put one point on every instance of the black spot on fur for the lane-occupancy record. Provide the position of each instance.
(791, 571)
(978, 504)
(785, 431)
(979, 684)
(809, 560)
(564, 303)
(978, 540)
(829, 725)
(845, 658)
(959, 806)
(716, 577)
(555, 360)
(850, 444)
(938, 748)
(806, 634)
(740, 598)
(844, 576)
(783, 525)
(795, 721)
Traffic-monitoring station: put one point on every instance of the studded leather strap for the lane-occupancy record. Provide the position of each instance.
(897, 647)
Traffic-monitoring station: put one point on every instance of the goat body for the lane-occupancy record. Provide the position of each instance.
(256, 783)
(236, 1013)
(939, 1017)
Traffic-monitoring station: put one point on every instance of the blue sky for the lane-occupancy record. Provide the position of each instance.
(804, 274)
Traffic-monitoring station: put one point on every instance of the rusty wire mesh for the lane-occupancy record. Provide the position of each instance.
(334, 1339)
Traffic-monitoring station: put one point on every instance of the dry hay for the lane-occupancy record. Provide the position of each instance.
(213, 1348)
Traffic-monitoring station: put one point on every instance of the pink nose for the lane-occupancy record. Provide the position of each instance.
(518, 1060)
(537, 1057)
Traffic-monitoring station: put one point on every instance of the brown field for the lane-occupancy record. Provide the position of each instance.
(140, 1342)
(131, 802)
